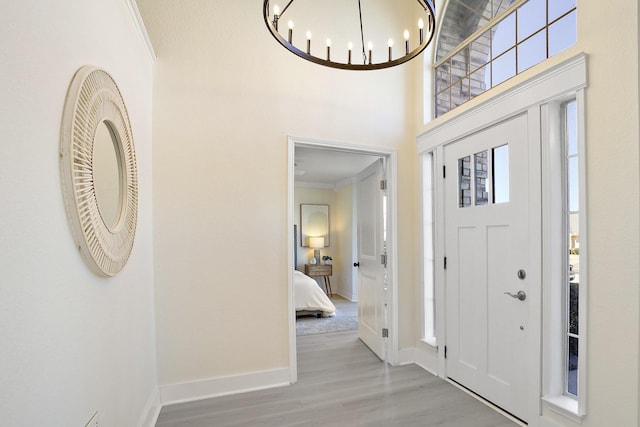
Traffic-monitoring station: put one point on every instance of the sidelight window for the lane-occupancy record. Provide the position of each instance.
(565, 278)
(428, 195)
(572, 251)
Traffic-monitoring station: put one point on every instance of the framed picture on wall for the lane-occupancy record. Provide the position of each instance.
(314, 222)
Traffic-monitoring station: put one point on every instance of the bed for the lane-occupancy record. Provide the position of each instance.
(310, 299)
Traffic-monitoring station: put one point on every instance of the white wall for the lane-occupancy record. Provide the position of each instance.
(72, 343)
(226, 96)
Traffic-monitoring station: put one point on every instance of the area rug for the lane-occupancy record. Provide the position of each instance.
(308, 325)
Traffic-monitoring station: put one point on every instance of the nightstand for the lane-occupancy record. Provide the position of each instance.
(321, 270)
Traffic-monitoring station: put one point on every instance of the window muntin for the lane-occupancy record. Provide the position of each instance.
(496, 46)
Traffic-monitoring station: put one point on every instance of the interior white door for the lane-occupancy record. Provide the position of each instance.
(487, 249)
(371, 286)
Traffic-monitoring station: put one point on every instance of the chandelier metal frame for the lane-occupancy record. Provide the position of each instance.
(271, 21)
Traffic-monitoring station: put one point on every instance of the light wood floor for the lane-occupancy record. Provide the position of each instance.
(342, 383)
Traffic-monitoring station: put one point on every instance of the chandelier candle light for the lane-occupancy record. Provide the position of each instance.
(423, 8)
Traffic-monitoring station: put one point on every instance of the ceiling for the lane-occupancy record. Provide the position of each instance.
(328, 167)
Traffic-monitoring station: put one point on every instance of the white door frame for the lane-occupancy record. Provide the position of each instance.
(392, 227)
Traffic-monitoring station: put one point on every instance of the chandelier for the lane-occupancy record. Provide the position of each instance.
(341, 21)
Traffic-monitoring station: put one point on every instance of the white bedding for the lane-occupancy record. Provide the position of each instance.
(309, 295)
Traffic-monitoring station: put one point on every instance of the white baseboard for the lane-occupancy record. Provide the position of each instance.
(427, 360)
(215, 387)
(347, 295)
(151, 410)
(406, 356)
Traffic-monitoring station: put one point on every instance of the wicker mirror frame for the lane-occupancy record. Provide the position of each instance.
(94, 98)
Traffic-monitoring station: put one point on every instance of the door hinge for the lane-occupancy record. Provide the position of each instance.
(444, 171)
(383, 259)
(383, 184)
(445, 263)
(445, 351)
(385, 333)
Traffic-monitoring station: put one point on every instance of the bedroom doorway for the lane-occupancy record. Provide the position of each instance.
(378, 297)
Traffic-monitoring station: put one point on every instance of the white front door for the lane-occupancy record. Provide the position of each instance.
(371, 286)
(487, 248)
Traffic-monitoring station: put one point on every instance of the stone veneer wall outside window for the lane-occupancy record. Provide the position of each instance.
(484, 42)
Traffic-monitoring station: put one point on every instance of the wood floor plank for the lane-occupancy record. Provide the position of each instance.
(342, 383)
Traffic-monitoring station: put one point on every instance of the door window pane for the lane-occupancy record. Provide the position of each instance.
(464, 182)
(501, 174)
(481, 170)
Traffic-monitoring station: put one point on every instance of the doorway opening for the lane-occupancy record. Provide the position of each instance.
(339, 175)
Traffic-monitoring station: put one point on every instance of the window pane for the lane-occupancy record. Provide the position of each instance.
(574, 244)
(443, 102)
(501, 174)
(532, 16)
(572, 178)
(562, 34)
(464, 182)
(559, 7)
(479, 52)
(460, 93)
(504, 67)
(573, 308)
(429, 261)
(532, 51)
(443, 77)
(572, 129)
(572, 366)
(504, 35)
(481, 168)
(500, 6)
(480, 81)
(460, 65)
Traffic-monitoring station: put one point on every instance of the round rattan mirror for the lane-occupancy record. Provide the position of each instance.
(98, 171)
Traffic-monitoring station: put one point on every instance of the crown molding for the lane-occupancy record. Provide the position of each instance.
(139, 23)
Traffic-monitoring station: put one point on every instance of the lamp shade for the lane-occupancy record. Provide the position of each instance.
(316, 242)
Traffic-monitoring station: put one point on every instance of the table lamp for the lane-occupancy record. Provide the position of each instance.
(316, 243)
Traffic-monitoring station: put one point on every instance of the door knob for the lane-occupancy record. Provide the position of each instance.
(521, 295)
(356, 264)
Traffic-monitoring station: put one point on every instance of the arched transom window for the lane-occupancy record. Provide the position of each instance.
(482, 43)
